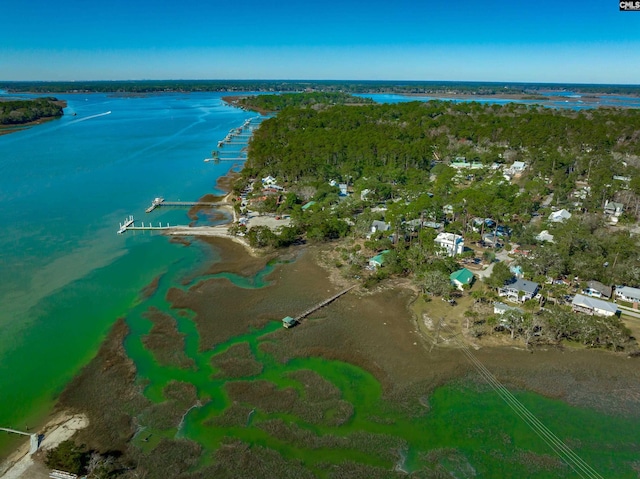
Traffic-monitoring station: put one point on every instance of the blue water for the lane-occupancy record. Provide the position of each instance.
(554, 100)
(64, 187)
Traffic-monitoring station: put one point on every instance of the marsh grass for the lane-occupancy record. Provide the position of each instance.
(164, 340)
(236, 362)
(179, 396)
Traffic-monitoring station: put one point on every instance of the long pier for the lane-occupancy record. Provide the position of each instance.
(313, 309)
(156, 203)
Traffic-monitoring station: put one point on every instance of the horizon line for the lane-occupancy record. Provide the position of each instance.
(240, 80)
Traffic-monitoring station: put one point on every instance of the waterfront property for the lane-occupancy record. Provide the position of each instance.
(593, 306)
(378, 260)
(461, 278)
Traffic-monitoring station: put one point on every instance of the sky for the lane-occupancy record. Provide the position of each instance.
(461, 40)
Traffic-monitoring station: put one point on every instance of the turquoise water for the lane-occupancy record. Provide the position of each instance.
(64, 187)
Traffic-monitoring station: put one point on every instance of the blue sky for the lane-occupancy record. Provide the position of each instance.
(460, 40)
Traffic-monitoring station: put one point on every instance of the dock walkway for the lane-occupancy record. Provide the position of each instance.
(156, 203)
(289, 321)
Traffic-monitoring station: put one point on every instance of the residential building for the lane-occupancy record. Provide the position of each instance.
(626, 293)
(519, 290)
(453, 244)
(559, 216)
(596, 289)
(501, 308)
(545, 236)
(460, 278)
(378, 225)
(269, 180)
(378, 260)
(611, 208)
(593, 306)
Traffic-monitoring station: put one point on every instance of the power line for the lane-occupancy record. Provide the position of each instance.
(565, 453)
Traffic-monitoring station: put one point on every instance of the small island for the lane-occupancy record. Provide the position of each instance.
(19, 114)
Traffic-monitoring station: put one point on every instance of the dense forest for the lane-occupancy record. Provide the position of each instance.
(19, 112)
(406, 87)
(276, 103)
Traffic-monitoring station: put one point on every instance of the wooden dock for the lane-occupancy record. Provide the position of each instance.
(298, 319)
(156, 203)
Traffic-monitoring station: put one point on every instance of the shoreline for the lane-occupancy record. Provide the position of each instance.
(61, 426)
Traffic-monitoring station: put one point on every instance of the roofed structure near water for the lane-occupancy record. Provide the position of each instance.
(289, 322)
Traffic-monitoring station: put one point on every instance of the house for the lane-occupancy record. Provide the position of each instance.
(461, 277)
(518, 166)
(462, 163)
(626, 293)
(378, 225)
(544, 235)
(364, 194)
(559, 216)
(269, 180)
(378, 260)
(612, 208)
(343, 189)
(593, 306)
(491, 239)
(308, 205)
(452, 243)
(519, 290)
(596, 289)
(501, 308)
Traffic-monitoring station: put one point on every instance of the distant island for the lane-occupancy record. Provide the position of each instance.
(17, 114)
(529, 90)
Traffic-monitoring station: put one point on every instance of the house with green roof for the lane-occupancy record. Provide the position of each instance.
(308, 205)
(378, 260)
(461, 277)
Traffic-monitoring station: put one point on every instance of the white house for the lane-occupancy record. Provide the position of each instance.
(559, 216)
(518, 166)
(626, 293)
(593, 306)
(452, 243)
(269, 180)
(545, 236)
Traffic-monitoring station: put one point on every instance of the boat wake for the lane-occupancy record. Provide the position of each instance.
(89, 117)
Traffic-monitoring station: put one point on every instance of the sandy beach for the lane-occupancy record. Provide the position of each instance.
(21, 465)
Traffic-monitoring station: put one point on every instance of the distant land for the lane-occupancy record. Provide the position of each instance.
(365, 86)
